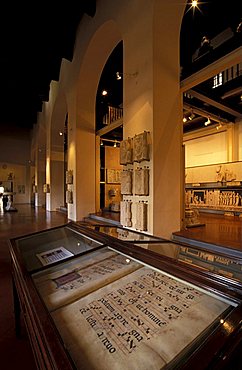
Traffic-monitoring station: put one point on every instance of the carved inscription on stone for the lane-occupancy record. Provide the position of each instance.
(215, 198)
(141, 147)
(125, 213)
(126, 151)
(140, 322)
(113, 176)
(141, 176)
(141, 213)
(63, 285)
(126, 182)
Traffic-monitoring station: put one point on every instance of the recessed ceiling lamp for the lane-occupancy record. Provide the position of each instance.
(104, 93)
(194, 5)
(60, 133)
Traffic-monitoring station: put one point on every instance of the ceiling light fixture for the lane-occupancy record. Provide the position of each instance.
(193, 5)
(115, 142)
(120, 75)
(205, 113)
(104, 93)
(207, 122)
(219, 126)
(192, 115)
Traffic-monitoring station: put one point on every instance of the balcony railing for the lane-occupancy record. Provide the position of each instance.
(114, 114)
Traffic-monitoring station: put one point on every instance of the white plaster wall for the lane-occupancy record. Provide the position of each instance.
(150, 33)
(240, 140)
(15, 157)
(57, 108)
(21, 180)
(168, 163)
(40, 158)
(209, 173)
(206, 150)
(15, 148)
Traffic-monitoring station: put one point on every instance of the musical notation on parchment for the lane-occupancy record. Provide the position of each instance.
(145, 317)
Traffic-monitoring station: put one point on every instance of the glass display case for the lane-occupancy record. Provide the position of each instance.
(52, 246)
(122, 233)
(220, 263)
(115, 305)
(212, 258)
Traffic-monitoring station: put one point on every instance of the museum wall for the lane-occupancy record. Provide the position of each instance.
(213, 173)
(212, 146)
(14, 163)
(240, 140)
(206, 150)
(152, 100)
(112, 176)
(20, 177)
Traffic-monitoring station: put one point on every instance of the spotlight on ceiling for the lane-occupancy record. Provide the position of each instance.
(118, 76)
(207, 122)
(104, 93)
(192, 115)
(219, 126)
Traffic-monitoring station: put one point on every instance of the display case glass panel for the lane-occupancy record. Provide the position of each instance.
(143, 319)
(123, 233)
(48, 247)
(67, 281)
(228, 266)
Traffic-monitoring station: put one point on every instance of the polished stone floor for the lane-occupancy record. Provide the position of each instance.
(225, 231)
(16, 353)
(218, 229)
